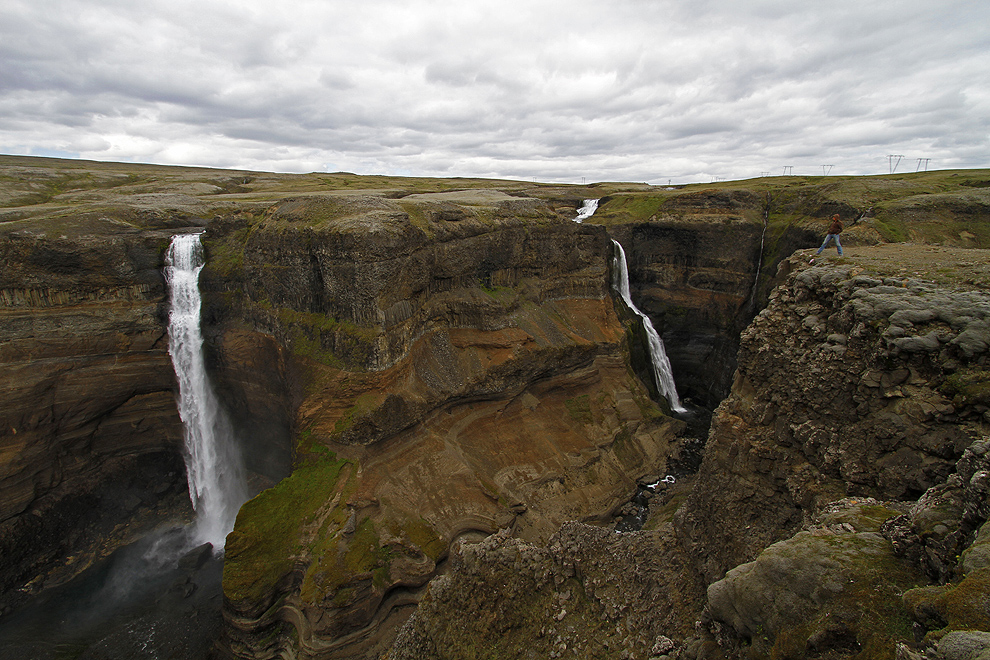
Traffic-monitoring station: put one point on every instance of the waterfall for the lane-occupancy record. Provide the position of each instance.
(586, 211)
(662, 373)
(658, 356)
(213, 465)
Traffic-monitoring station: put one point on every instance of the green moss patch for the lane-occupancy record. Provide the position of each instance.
(865, 620)
(363, 405)
(969, 386)
(579, 408)
(824, 594)
(324, 339)
(339, 559)
(961, 606)
(419, 532)
(266, 538)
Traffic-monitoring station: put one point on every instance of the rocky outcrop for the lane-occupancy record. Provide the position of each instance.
(848, 583)
(89, 431)
(844, 387)
(506, 598)
(863, 437)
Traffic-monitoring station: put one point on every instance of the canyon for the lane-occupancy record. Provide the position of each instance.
(443, 407)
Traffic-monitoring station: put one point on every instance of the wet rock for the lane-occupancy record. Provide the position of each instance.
(197, 557)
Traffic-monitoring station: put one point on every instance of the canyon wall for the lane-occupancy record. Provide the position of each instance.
(840, 510)
(701, 268)
(455, 365)
(436, 361)
(89, 432)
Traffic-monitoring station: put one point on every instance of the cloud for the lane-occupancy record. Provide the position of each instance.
(634, 89)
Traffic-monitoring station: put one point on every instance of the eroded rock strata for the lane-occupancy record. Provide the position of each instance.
(844, 388)
(88, 427)
(459, 370)
(840, 510)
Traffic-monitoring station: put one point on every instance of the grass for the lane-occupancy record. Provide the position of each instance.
(940, 206)
(265, 542)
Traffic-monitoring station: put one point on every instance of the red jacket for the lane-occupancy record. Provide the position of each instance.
(835, 227)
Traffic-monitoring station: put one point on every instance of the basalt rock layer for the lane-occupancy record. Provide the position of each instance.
(454, 365)
(89, 431)
(840, 510)
(845, 387)
(435, 360)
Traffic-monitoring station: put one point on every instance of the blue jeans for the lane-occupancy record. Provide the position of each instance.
(829, 238)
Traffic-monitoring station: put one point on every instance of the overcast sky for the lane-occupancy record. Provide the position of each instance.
(627, 90)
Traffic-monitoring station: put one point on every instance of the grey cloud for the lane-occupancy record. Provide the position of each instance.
(629, 90)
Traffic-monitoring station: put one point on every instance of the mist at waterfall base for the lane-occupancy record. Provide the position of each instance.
(159, 597)
(662, 373)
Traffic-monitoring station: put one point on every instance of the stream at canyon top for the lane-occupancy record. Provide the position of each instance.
(159, 597)
(662, 373)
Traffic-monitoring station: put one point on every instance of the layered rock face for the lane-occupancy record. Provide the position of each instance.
(89, 431)
(452, 371)
(701, 268)
(433, 368)
(844, 388)
(695, 281)
(840, 510)
(858, 416)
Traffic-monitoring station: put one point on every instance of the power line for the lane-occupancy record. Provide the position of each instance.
(788, 169)
(922, 160)
(824, 173)
(891, 163)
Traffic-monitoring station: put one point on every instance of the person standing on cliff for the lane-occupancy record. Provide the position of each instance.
(833, 234)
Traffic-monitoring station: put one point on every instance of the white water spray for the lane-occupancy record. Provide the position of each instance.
(662, 373)
(216, 477)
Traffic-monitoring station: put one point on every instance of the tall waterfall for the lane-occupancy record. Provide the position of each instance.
(213, 464)
(658, 355)
(662, 373)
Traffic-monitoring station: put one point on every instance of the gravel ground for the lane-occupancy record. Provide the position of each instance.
(951, 267)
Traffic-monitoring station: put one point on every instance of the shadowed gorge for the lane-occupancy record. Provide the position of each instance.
(443, 407)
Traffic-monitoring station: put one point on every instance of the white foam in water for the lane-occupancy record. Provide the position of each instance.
(216, 477)
(662, 372)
